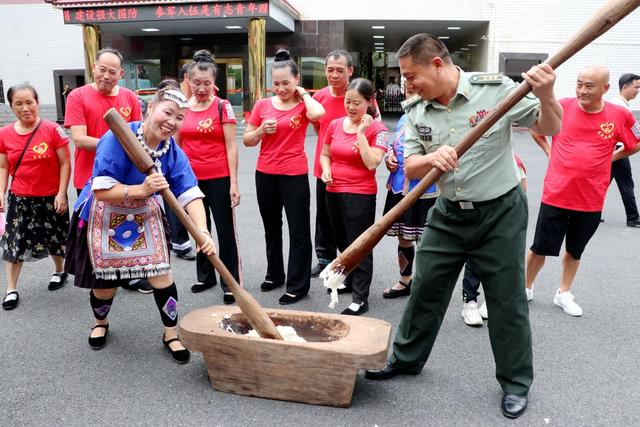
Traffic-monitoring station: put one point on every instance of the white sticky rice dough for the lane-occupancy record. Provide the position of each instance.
(332, 279)
(288, 333)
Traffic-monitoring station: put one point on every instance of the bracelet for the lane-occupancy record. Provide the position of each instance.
(305, 93)
(126, 192)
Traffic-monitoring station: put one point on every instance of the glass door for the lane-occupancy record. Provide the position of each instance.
(229, 82)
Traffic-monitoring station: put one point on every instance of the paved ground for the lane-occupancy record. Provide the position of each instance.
(586, 368)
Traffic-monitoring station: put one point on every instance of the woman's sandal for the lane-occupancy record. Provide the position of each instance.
(10, 300)
(395, 293)
(97, 343)
(179, 356)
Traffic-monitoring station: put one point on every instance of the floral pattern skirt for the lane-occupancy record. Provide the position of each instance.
(34, 230)
(411, 223)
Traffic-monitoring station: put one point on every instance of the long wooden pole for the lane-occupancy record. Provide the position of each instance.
(247, 303)
(602, 20)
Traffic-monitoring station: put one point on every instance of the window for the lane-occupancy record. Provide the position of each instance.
(512, 64)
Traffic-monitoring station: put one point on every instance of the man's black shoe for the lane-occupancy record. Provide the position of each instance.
(635, 223)
(317, 269)
(513, 405)
(390, 371)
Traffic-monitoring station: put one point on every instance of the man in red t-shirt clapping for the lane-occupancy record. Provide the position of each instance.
(578, 177)
(85, 107)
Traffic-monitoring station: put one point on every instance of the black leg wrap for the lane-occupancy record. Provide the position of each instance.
(100, 307)
(167, 302)
(405, 259)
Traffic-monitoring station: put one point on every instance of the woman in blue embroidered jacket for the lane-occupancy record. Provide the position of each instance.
(410, 225)
(118, 229)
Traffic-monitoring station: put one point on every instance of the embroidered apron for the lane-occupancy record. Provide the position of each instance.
(127, 239)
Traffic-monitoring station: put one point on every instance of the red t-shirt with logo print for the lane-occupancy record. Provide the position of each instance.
(334, 109)
(580, 163)
(202, 140)
(85, 107)
(282, 153)
(39, 172)
(349, 173)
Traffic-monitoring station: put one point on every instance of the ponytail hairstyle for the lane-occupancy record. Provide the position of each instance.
(365, 88)
(282, 59)
(204, 61)
(169, 90)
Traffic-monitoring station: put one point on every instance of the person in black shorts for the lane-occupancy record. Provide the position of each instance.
(577, 178)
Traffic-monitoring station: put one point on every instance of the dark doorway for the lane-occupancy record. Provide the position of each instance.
(64, 82)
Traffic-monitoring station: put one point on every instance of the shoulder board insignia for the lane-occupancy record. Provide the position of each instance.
(486, 79)
(408, 103)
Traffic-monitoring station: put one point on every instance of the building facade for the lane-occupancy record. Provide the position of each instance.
(156, 37)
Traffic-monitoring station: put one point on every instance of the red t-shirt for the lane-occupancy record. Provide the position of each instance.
(580, 164)
(282, 153)
(349, 173)
(203, 142)
(39, 171)
(334, 109)
(85, 107)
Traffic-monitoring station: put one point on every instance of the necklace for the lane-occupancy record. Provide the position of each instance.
(155, 154)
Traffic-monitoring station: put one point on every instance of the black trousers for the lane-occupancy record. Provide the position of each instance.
(324, 243)
(292, 193)
(470, 283)
(621, 172)
(179, 235)
(217, 202)
(350, 215)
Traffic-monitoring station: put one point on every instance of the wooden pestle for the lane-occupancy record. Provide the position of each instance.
(247, 303)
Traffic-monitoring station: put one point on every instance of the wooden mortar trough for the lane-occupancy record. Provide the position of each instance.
(321, 371)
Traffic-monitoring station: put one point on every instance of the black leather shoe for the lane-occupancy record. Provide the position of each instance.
(268, 285)
(513, 405)
(287, 299)
(634, 224)
(317, 269)
(178, 356)
(364, 307)
(97, 343)
(390, 371)
(228, 298)
(199, 287)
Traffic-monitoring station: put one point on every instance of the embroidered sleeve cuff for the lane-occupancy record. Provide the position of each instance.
(190, 195)
(103, 183)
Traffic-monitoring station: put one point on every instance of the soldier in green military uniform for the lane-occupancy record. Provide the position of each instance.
(481, 213)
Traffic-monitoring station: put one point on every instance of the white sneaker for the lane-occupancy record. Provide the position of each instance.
(483, 311)
(566, 301)
(470, 314)
(529, 293)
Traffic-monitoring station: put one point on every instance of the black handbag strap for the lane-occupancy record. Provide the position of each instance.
(24, 150)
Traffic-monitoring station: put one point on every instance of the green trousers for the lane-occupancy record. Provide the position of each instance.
(492, 235)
